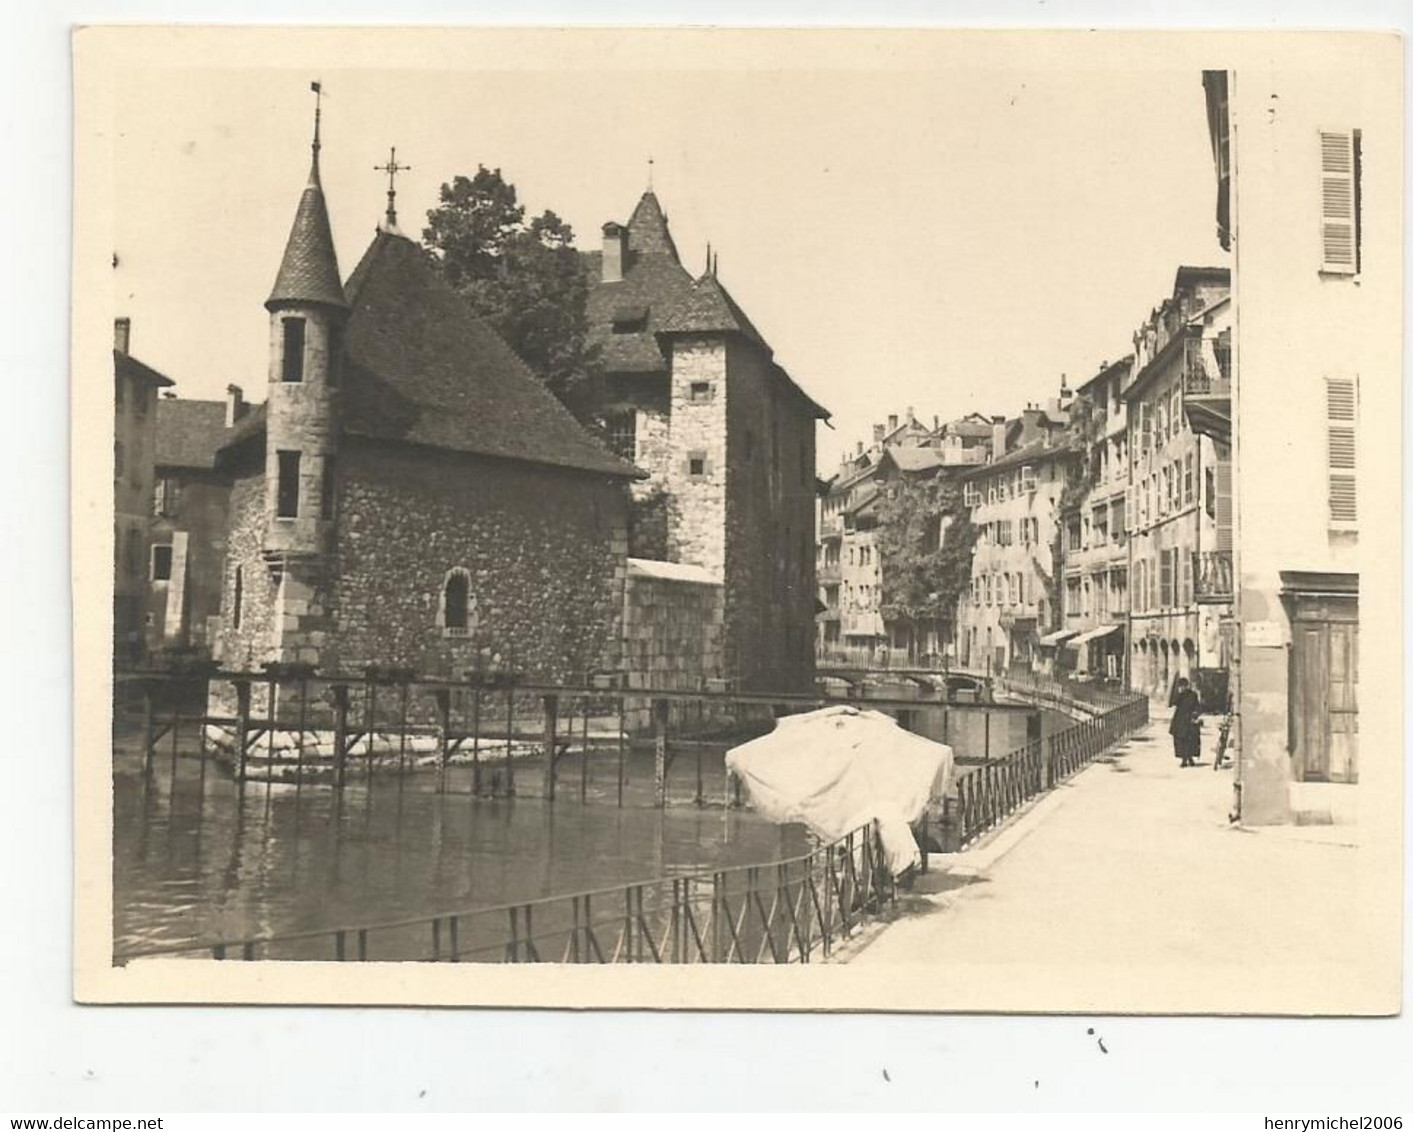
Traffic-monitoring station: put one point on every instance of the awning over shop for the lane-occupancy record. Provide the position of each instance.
(1050, 640)
(1093, 635)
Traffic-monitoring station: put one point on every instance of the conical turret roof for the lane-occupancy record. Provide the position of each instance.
(309, 272)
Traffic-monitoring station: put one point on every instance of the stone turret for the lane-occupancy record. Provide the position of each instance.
(307, 315)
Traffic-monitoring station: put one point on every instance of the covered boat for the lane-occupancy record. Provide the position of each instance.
(839, 768)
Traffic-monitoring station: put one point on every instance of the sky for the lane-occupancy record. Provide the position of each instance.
(906, 230)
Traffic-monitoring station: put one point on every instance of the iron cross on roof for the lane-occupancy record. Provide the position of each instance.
(392, 169)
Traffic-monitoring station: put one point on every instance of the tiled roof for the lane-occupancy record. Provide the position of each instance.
(964, 427)
(708, 308)
(652, 282)
(1031, 453)
(125, 365)
(189, 433)
(421, 368)
(914, 457)
(309, 271)
(647, 228)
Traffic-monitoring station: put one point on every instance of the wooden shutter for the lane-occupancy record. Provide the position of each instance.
(1337, 218)
(1341, 399)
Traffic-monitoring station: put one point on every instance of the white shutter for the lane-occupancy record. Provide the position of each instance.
(1341, 399)
(1337, 215)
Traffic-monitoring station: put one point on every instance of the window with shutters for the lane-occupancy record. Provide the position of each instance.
(1340, 204)
(1165, 579)
(1187, 484)
(1342, 411)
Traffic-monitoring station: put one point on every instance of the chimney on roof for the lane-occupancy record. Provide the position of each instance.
(615, 247)
(878, 432)
(936, 422)
(858, 451)
(122, 334)
(235, 404)
(998, 437)
(892, 422)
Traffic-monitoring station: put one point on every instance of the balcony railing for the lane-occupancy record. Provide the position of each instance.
(1203, 374)
(1214, 575)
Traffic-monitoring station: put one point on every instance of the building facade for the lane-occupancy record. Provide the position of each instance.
(1009, 619)
(190, 520)
(135, 391)
(409, 495)
(690, 392)
(1309, 200)
(1095, 541)
(1179, 511)
(851, 621)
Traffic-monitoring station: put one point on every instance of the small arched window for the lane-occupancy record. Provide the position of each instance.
(457, 604)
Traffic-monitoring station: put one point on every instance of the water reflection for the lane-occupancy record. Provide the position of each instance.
(197, 857)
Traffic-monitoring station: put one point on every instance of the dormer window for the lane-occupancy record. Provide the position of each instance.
(631, 318)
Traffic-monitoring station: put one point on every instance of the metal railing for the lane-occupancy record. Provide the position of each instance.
(786, 911)
(986, 795)
(1212, 571)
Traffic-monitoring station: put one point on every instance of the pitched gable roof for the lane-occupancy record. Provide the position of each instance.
(189, 433)
(708, 308)
(125, 365)
(421, 368)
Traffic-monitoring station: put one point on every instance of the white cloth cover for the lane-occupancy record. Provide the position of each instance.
(838, 768)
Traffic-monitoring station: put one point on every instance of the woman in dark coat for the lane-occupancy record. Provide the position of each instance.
(1186, 727)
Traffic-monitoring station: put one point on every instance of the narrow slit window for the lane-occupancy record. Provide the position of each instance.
(162, 563)
(456, 596)
(292, 357)
(287, 487)
(237, 597)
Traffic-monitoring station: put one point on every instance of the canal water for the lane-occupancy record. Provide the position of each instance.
(198, 858)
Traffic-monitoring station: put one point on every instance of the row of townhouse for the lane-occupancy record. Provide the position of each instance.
(1104, 520)
(851, 621)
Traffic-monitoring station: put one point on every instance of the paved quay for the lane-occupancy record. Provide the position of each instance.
(1133, 864)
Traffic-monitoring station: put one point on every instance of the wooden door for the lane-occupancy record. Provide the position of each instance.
(1343, 741)
(1324, 693)
(1312, 699)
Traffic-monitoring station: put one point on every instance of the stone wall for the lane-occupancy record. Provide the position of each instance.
(672, 625)
(545, 551)
(697, 536)
(770, 520)
(197, 503)
(252, 643)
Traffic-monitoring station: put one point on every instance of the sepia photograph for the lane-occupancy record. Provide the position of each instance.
(900, 520)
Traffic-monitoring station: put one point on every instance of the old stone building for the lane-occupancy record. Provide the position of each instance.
(1179, 511)
(1094, 551)
(851, 622)
(409, 494)
(1009, 619)
(190, 515)
(691, 393)
(135, 388)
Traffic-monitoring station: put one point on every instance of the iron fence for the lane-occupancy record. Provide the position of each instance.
(787, 911)
(986, 795)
